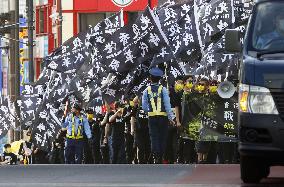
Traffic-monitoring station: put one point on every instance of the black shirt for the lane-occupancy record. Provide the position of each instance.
(127, 113)
(117, 127)
(95, 127)
(141, 119)
(11, 157)
(176, 100)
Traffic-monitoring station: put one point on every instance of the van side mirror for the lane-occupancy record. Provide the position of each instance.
(232, 41)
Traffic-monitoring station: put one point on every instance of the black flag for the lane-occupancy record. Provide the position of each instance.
(134, 44)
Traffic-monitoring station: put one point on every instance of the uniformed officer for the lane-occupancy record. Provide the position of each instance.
(156, 102)
(76, 124)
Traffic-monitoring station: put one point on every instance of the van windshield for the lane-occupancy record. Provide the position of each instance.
(268, 30)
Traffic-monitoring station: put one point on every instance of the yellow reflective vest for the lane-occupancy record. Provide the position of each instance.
(156, 106)
(79, 134)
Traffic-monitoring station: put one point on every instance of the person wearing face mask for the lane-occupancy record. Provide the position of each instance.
(129, 138)
(193, 101)
(173, 147)
(213, 87)
(188, 84)
(214, 100)
(183, 145)
(265, 41)
(94, 122)
(76, 125)
(139, 125)
(88, 148)
(206, 143)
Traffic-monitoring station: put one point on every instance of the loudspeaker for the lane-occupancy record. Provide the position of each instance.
(226, 89)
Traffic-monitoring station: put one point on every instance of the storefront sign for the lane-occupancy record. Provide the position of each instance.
(122, 3)
(110, 5)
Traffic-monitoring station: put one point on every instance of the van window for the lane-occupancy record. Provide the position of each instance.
(268, 31)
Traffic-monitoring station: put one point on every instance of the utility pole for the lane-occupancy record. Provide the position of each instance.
(17, 66)
(30, 14)
(60, 21)
(14, 67)
(12, 78)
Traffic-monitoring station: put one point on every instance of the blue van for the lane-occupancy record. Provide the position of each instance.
(261, 89)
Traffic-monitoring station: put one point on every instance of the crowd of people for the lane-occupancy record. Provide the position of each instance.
(146, 129)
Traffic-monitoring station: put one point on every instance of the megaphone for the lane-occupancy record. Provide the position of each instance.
(226, 89)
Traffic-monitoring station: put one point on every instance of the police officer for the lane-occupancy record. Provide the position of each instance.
(156, 102)
(76, 125)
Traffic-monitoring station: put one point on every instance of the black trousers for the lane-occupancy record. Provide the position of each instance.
(189, 152)
(227, 152)
(158, 129)
(96, 149)
(143, 145)
(129, 147)
(172, 145)
(88, 153)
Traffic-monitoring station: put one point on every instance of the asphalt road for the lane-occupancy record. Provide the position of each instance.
(131, 175)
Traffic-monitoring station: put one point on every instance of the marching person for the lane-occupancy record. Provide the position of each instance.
(105, 134)
(129, 138)
(76, 124)
(116, 139)
(88, 157)
(156, 102)
(96, 132)
(141, 130)
(190, 122)
(206, 142)
(173, 147)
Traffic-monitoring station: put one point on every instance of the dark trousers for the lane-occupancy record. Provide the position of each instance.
(129, 146)
(158, 129)
(212, 154)
(117, 150)
(41, 157)
(105, 153)
(226, 152)
(172, 145)
(74, 151)
(88, 153)
(104, 148)
(143, 145)
(189, 153)
(96, 151)
(57, 156)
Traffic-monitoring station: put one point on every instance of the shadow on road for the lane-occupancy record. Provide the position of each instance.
(268, 182)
